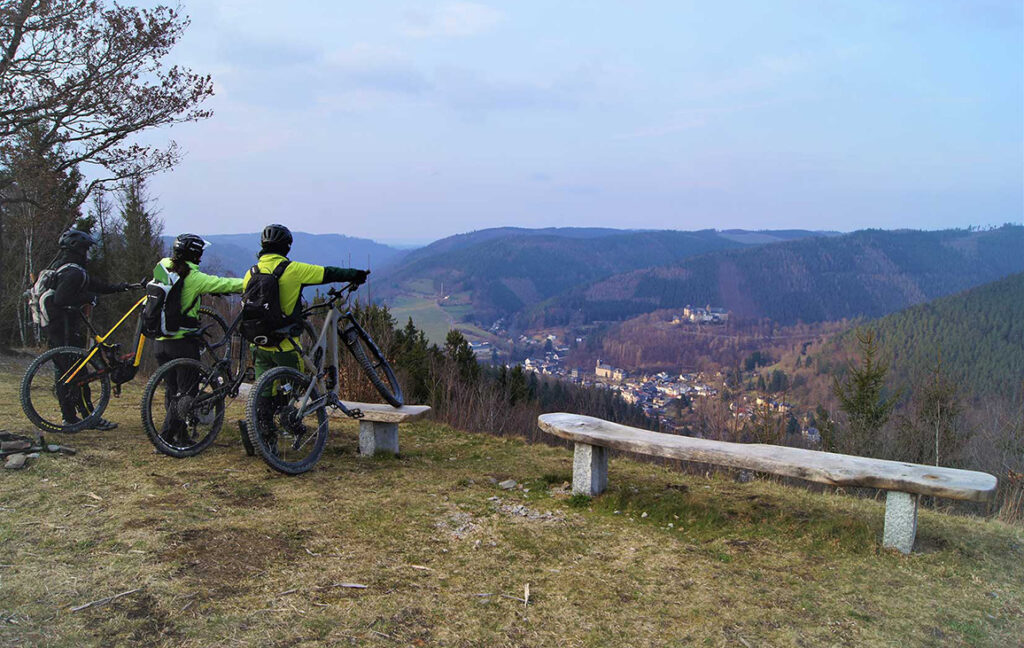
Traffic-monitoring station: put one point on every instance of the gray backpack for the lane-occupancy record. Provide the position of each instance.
(42, 291)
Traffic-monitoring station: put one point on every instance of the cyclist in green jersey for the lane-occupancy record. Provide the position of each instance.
(186, 254)
(276, 243)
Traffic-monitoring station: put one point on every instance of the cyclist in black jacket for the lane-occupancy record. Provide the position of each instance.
(74, 287)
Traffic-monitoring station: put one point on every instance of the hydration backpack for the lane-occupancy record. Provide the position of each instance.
(42, 291)
(263, 321)
(162, 315)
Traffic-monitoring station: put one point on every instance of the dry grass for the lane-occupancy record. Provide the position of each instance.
(222, 551)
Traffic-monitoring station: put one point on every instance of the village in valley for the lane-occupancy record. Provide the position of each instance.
(669, 398)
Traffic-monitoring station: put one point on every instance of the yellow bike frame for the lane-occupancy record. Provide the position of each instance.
(70, 374)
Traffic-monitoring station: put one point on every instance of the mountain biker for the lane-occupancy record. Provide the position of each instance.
(186, 253)
(276, 242)
(74, 287)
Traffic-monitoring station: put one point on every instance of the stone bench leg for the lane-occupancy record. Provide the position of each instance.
(900, 521)
(377, 438)
(589, 470)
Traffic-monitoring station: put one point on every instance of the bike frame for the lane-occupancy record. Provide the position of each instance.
(325, 377)
(98, 341)
(225, 361)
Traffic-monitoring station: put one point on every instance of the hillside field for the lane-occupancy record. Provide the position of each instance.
(220, 550)
(432, 318)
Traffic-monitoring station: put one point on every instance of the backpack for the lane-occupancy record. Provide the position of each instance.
(43, 290)
(162, 315)
(263, 322)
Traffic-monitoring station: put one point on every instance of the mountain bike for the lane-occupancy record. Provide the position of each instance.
(184, 401)
(70, 373)
(284, 399)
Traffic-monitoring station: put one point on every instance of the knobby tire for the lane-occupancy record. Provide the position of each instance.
(46, 362)
(372, 361)
(206, 379)
(266, 446)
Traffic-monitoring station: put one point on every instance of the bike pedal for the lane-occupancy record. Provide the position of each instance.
(116, 389)
(355, 413)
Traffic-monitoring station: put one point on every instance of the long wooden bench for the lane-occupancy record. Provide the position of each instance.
(905, 482)
(378, 428)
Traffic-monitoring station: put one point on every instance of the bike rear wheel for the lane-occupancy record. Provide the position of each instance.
(44, 388)
(372, 361)
(180, 423)
(288, 442)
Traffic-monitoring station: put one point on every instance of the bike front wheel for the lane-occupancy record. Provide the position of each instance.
(183, 407)
(289, 440)
(218, 328)
(54, 400)
(371, 360)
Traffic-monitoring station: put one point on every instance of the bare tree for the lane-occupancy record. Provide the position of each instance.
(79, 79)
(89, 77)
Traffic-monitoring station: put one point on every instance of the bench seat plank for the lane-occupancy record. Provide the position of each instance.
(811, 465)
(383, 413)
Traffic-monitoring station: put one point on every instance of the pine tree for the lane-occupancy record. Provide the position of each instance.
(862, 397)
(457, 350)
(140, 232)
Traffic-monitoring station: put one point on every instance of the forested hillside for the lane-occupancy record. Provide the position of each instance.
(864, 274)
(499, 272)
(977, 335)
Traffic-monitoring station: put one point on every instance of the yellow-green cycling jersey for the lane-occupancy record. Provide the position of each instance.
(294, 278)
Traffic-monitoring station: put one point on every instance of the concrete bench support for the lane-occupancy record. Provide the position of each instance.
(900, 521)
(375, 437)
(589, 469)
(378, 429)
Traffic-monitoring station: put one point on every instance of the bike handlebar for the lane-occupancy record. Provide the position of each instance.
(335, 294)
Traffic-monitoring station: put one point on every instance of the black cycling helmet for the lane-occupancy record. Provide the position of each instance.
(76, 239)
(276, 238)
(188, 247)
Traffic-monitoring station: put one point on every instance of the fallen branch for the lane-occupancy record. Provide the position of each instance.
(104, 601)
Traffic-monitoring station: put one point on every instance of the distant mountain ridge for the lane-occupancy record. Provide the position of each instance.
(869, 273)
(502, 271)
(236, 253)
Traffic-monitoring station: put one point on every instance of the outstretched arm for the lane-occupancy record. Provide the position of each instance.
(333, 274)
(211, 284)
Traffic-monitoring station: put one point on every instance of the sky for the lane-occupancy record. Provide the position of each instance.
(405, 122)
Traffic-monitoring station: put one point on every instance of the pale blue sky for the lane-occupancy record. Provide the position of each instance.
(410, 121)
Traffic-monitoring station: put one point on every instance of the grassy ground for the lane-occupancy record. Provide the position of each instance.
(220, 550)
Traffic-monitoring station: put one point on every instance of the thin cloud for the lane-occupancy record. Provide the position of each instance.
(452, 20)
(685, 120)
(245, 51)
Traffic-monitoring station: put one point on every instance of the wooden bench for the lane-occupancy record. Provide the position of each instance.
(378, 428)
(905, 482)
